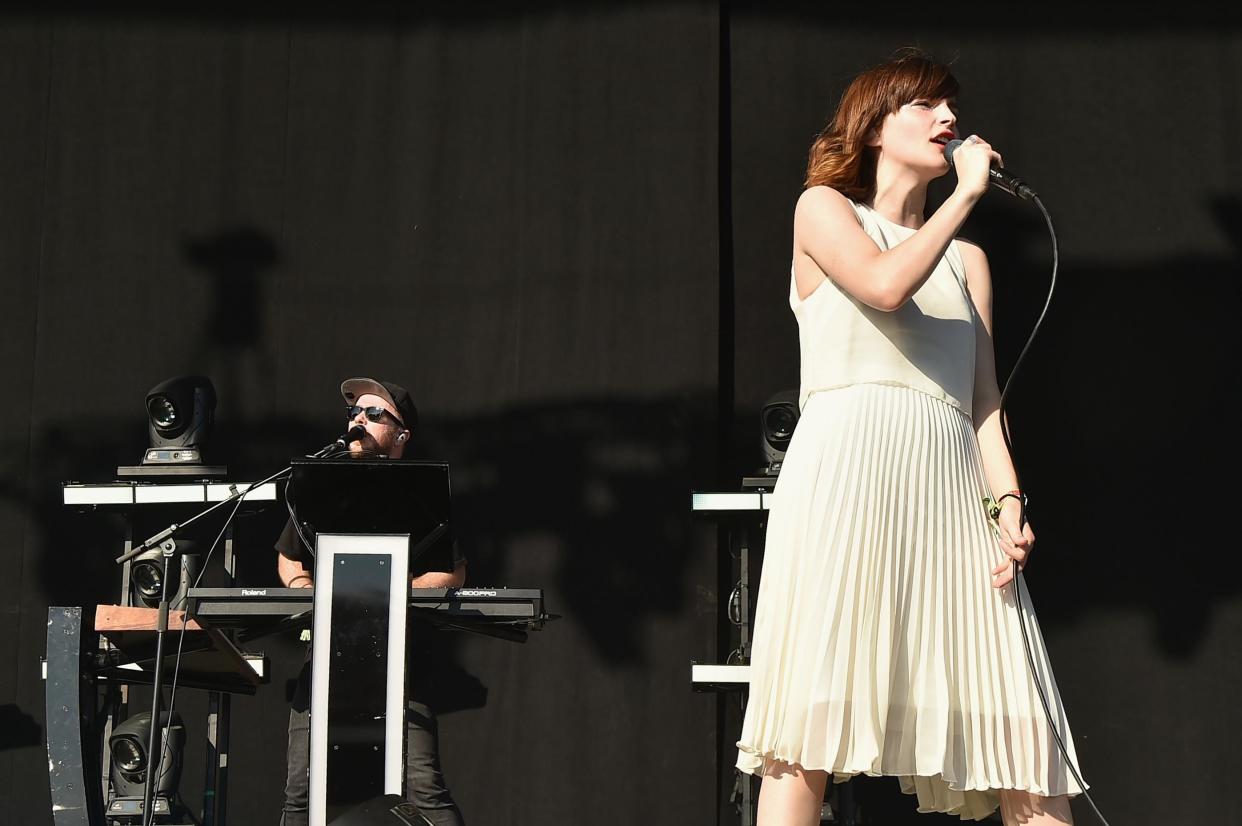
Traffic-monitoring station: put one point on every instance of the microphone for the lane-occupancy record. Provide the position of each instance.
(342, 442)
(999, 177)
(353, 434)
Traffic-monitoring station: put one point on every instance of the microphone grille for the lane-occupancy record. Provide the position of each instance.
(949, 149)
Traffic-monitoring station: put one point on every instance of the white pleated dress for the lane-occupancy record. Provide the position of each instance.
(880, 645)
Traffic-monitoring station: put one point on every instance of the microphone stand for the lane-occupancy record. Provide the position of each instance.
(168, 548)
(168, 532)
(154, 758)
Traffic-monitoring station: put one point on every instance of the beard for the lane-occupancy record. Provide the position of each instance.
(368, 447)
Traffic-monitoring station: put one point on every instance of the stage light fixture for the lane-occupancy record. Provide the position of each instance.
(180, 414)
(778, 417)
(146, 578)
(128, 750)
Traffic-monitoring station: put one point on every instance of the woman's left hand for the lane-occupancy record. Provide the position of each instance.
(1015, 540)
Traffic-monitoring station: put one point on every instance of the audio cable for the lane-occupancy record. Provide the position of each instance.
(1017, 580)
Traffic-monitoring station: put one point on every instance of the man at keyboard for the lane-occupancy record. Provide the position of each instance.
(387, 417)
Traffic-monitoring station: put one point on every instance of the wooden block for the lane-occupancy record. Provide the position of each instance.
(133, 618)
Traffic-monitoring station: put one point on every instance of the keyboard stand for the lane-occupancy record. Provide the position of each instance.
(742, 519)
(208, 660)
(139, 499)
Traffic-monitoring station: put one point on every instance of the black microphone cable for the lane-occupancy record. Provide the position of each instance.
(293, 517)
(185, 618)
(334, 449)
(185, 612)
(1017, 580)
(337, 449)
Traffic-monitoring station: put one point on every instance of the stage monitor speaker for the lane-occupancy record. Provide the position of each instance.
(388, 810)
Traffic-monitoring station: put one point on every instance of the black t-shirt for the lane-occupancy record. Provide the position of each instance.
(442, 556)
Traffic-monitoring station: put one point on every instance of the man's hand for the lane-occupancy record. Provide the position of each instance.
(440, 579)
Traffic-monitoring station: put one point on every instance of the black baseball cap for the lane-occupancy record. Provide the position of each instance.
(394, 394)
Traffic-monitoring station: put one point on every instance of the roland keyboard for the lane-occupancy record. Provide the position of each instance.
(475, 609)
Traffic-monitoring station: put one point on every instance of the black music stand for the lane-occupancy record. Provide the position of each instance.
(368, 519)
(372, 496)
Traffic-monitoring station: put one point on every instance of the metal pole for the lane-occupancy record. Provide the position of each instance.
(154, 754)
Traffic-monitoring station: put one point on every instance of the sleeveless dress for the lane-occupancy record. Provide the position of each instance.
(880, 646)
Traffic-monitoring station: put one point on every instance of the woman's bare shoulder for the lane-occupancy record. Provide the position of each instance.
(823, 196)
(822, 205)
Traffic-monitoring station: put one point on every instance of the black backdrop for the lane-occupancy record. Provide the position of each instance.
(566, 229)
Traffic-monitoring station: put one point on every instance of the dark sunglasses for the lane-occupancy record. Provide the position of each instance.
(375, 414)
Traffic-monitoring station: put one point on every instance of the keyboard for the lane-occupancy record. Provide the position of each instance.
(476, 608)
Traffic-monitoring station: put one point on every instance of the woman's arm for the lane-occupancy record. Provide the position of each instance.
(1015, 539)
(829, 243)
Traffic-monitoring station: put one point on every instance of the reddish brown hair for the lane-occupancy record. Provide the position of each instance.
(839, 157)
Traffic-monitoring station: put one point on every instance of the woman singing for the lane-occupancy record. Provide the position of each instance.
(887, 632)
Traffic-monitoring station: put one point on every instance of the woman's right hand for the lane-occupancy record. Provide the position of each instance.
(972, 161)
